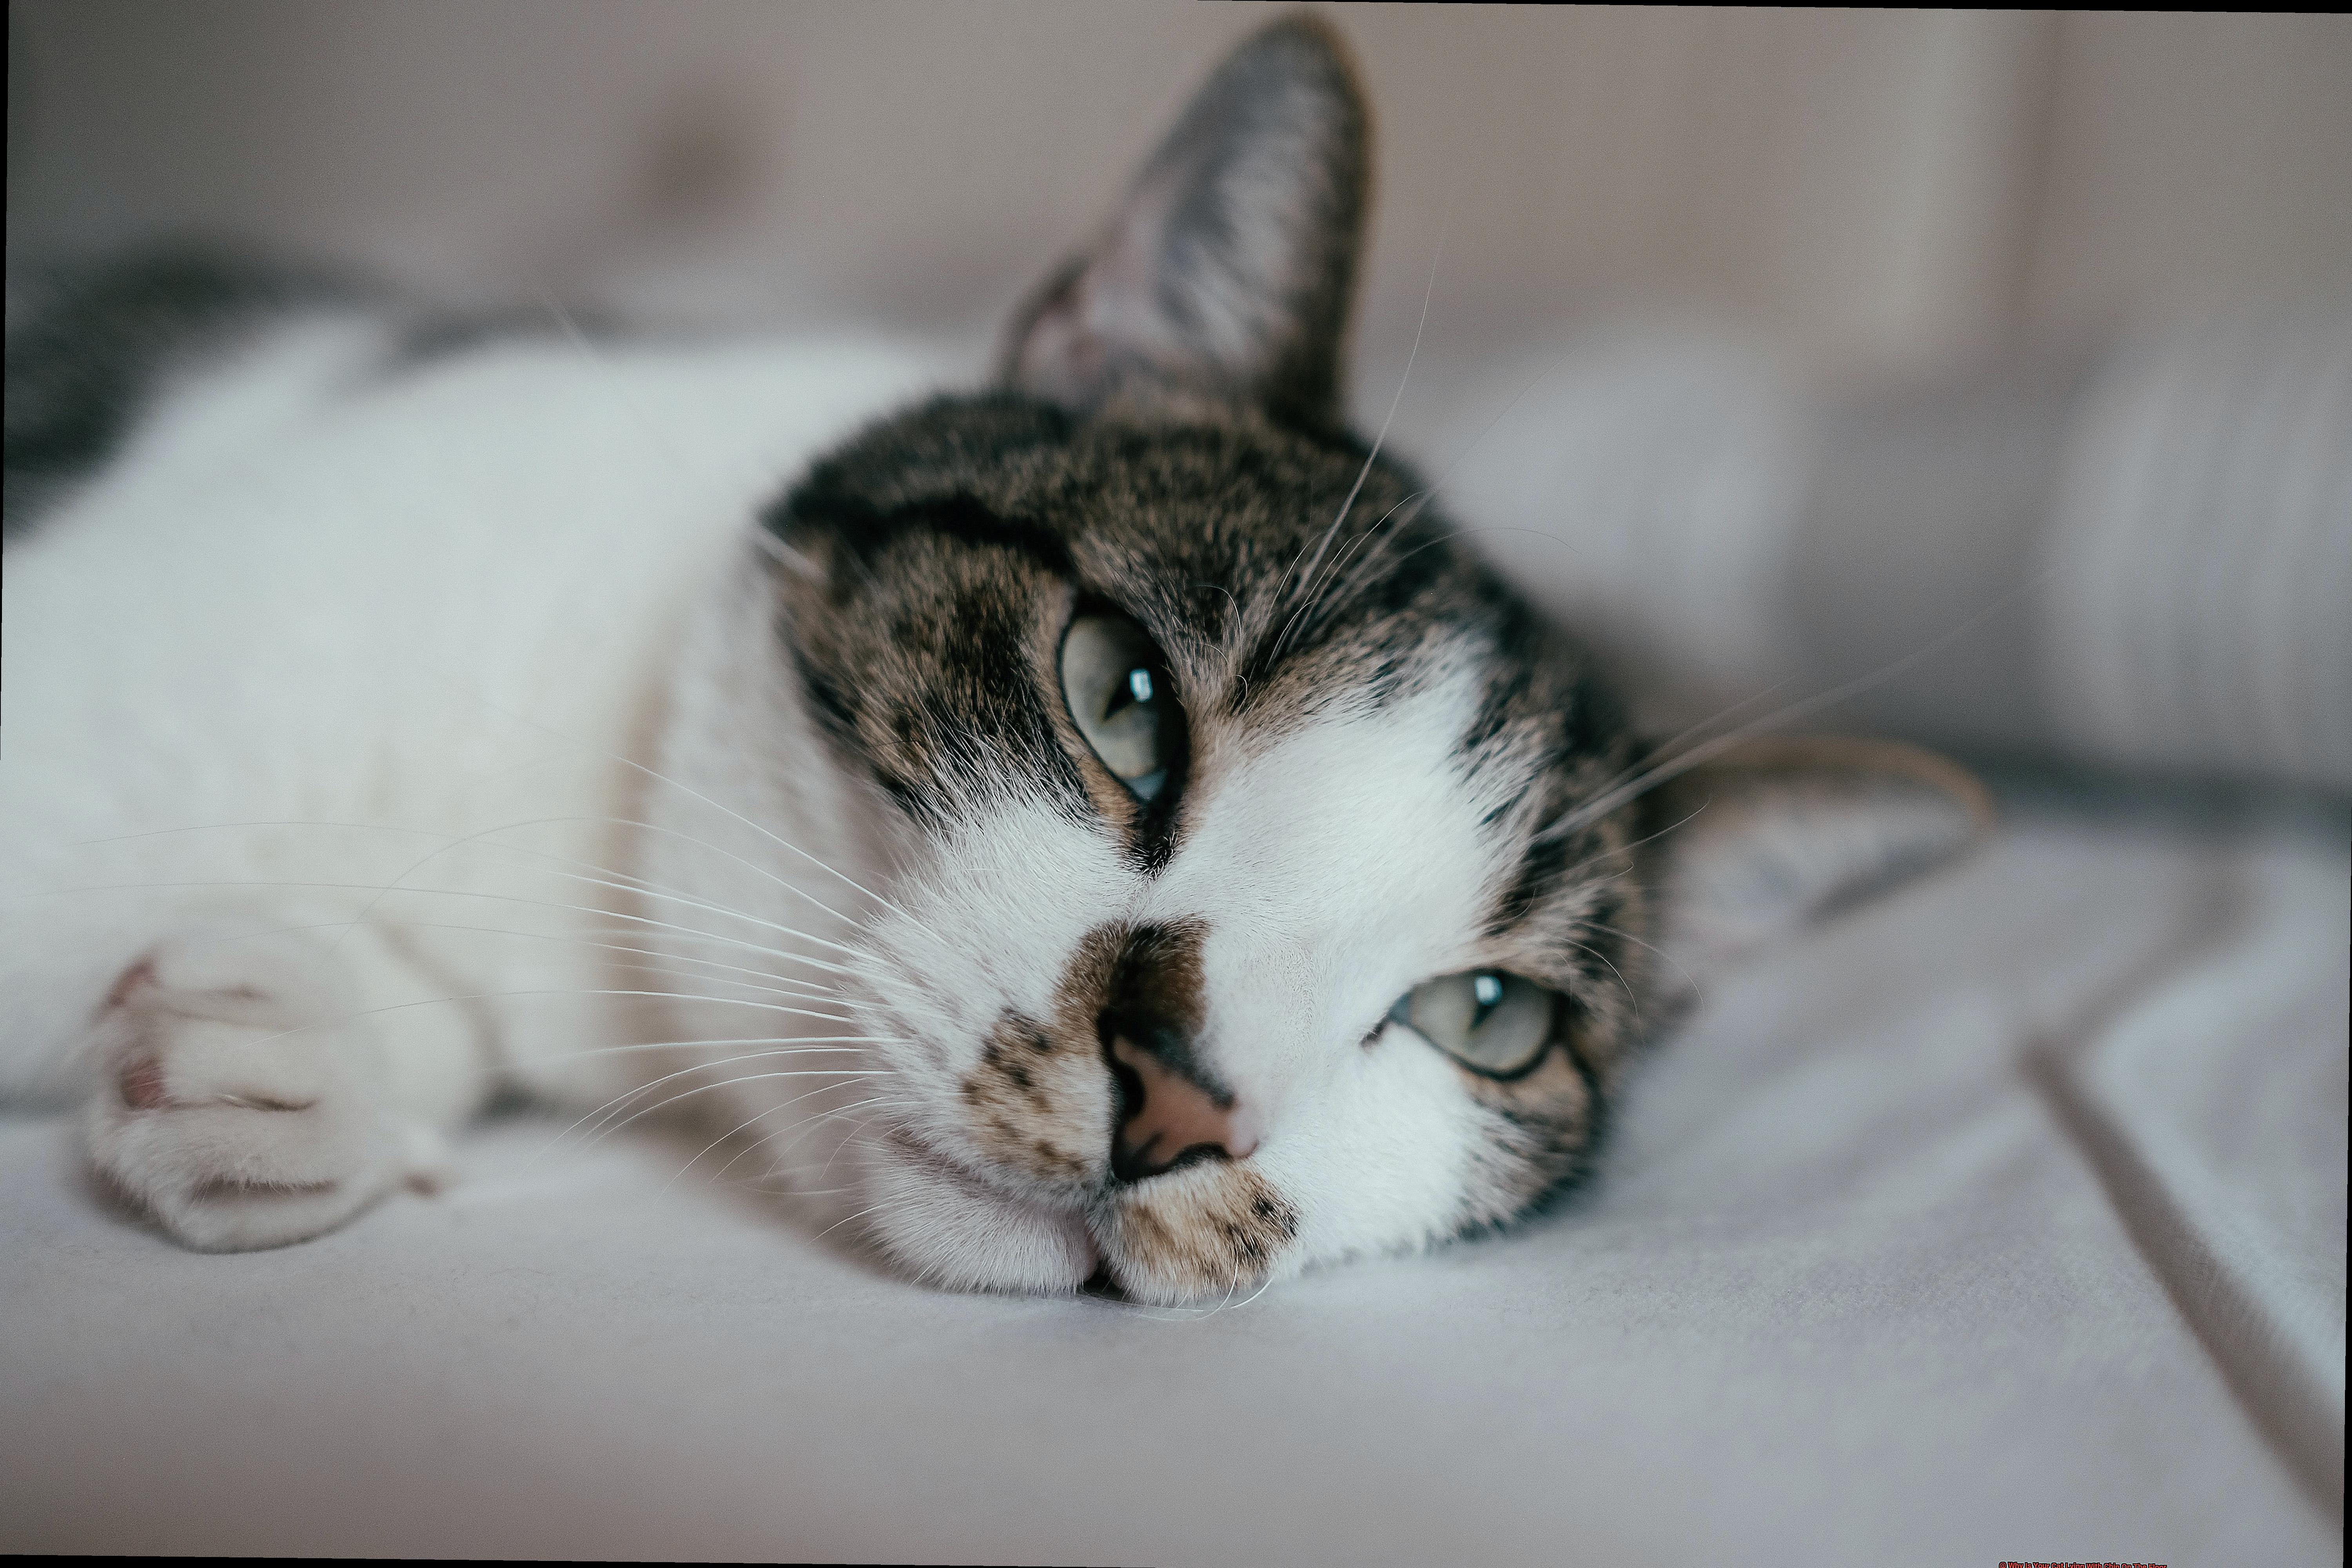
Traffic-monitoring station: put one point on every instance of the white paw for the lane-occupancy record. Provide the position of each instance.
(241, 1097)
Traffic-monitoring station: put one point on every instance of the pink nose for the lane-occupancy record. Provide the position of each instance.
(1177, 1122)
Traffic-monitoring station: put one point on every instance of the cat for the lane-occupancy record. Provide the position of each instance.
(1098, 829)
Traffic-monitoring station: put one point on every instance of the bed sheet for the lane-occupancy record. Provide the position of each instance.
(2005, 1222)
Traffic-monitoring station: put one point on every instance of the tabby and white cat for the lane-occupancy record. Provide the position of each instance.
(1099, 827)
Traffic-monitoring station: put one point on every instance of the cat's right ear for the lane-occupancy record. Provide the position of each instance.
(1779, 834)
(1229, 266)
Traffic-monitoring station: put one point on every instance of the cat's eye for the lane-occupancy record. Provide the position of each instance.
(1122, 699)
(1490, 1022)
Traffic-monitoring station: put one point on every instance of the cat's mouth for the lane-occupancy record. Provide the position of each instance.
(1199, 1229)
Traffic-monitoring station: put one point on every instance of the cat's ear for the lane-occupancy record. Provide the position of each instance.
(1227, 269)
(1778, 834)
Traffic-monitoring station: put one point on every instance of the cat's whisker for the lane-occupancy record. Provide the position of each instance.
(844, 1040)
(762, 979)
(722, 910)
(1562, 876)
(782, 843)
(1665, 772)
(782, 1048)
(885, 1103)
(693, 794)
(456, 841)
(551, 991)
(743, 1126)
(813, 1124)
(1267, 1284)
(691, 932)
(751, 866)
(1225, 1304)
(1688, 978)
(1363, 550)
(632, 882)
(837, 1074)
(643, 891)
(625, 1097)
(1438, 484)
(666, 970)
(782, 985)
(1372, 456)
(732, 1131)
(1630, 997)
(844, 1219)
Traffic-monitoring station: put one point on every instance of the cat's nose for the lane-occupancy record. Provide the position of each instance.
(1166, 1119)
(1171, 1110)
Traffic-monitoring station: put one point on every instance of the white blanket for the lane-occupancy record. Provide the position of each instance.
(2007, 1222)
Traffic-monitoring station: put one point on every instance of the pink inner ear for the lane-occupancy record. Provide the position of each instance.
(1101, 311)
(1227, 269)
(1057, 357)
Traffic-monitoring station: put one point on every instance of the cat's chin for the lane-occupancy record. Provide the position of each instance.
(943, 1224)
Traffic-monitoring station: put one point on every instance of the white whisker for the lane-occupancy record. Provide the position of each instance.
(840, 1074)
(614, 1105)
(1688, 978)
(553, 991)
(1608, 801)
(1308, 579)
(640, 888)
(742, 1126)
(693, 794)
(464, 893)
(1634, 1001)
(852, 1042)
(782, 985)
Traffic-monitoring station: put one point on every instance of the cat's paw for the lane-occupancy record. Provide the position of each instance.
(240, 1096)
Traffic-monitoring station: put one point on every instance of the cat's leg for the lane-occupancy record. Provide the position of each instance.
(257, 1083)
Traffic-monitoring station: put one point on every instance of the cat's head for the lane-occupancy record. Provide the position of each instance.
(1267, 889)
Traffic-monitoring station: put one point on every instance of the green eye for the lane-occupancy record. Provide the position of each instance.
(1117, 688)
(1490, 1022)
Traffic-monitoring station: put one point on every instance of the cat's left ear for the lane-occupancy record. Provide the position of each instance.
(1778, 835)
(1228, 269)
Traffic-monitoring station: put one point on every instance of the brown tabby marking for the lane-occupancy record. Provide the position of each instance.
(1216, 1226)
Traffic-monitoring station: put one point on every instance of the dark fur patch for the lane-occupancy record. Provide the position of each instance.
(951, 539)
(1155, 998)
(96, 343)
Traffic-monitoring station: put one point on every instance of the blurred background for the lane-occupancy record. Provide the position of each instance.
(1772, 345)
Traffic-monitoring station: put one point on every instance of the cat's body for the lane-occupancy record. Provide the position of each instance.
(439, 598)
(434, 600)
(1028, 821)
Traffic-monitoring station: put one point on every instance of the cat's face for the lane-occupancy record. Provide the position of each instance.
(1230, 936)
(1244, 913)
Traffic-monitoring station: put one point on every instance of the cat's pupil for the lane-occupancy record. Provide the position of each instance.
(1486, 990)
(1136, 691)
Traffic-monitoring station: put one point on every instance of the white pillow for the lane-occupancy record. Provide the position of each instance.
(2140, 559)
